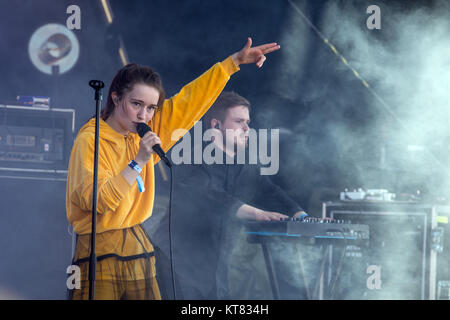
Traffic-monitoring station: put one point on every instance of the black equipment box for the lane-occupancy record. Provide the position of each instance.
(401, 258)
(35, 142)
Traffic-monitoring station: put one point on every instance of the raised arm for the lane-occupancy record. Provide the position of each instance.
(187, 107)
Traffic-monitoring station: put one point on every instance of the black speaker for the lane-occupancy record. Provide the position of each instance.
(35, 243)
(399, 261)
(35, 140)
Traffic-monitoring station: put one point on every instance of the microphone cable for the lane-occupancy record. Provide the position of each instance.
(142, 129)
(170, 234)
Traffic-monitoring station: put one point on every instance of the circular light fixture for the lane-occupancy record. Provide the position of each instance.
(53, 49)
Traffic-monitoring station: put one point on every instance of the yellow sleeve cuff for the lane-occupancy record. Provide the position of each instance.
(229, 66)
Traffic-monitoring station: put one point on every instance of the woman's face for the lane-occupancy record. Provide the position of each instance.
(136, 105)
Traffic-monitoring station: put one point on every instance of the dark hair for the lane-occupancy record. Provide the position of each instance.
(126, 78)
(225, 101)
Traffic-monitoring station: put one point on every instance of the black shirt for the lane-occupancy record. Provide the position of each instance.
(204, 204)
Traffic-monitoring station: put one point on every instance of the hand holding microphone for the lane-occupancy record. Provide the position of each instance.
(142, 129)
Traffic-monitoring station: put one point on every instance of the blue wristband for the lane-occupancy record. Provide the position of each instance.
(133, 165)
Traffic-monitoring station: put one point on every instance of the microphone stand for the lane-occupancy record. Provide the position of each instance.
(97, 85)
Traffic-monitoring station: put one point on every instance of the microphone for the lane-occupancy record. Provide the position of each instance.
(142, 129)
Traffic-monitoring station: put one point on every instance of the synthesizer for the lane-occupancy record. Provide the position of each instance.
(310, 228)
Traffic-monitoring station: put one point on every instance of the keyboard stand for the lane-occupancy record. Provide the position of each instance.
(268, 260)
(270, 270)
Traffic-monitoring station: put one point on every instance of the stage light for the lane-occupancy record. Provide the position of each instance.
(107, 9)
(123, 55)
(53, 49)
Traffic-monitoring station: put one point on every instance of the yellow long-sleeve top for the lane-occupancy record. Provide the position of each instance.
(120, 205)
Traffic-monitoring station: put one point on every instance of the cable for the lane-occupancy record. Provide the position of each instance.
(170, 235)
(321, 270)
(322, 267)
(305, 282)
(339, 269)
